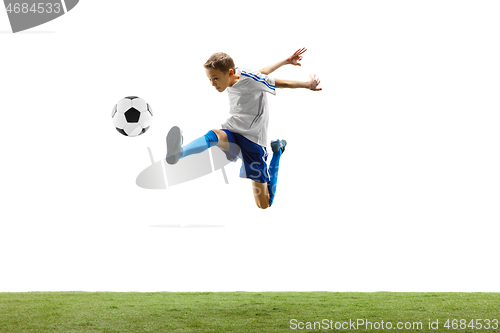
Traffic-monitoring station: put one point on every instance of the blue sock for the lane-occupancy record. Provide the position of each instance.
(201, 144)
(273, 171)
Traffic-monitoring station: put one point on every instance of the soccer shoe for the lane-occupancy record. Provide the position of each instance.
(174, 145)
(277, 145)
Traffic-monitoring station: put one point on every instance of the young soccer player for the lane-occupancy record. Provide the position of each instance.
(244, 134)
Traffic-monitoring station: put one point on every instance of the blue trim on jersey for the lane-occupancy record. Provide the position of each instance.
(258, 79)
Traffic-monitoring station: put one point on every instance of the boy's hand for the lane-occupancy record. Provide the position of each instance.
(313, 83)
(296, 57)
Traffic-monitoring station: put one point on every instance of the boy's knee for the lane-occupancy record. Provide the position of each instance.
(263, 205)
(221, 135)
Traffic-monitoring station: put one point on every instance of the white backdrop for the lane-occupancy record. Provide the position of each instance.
(389, 181)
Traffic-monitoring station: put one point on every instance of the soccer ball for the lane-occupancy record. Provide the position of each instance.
(132, 116)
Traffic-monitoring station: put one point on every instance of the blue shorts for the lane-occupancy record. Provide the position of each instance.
(254, 157)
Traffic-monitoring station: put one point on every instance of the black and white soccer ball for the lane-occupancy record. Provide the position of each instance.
(132, 116)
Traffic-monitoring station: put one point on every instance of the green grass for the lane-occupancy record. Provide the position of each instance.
(237, 312)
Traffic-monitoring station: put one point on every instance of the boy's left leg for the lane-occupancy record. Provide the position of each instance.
(264, 192)
(278, 148)
(261, 194)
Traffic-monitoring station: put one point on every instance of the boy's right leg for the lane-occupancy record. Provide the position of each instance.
(223, 139)
(174, 141)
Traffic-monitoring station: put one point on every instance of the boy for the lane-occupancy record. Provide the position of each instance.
(244, 134)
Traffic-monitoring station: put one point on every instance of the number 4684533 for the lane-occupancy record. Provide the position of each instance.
(36, 8)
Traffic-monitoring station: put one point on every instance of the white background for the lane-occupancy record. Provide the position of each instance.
(389, 181)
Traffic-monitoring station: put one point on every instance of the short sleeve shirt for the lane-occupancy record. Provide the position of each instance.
(248, 105)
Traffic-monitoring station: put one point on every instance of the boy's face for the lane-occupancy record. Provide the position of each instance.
(220, 80)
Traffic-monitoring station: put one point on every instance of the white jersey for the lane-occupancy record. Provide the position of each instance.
(248, 105)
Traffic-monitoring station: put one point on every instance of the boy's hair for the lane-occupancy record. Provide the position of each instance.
(220, 61)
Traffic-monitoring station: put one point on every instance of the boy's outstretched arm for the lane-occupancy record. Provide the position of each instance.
(293, 60)
(312, 84)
